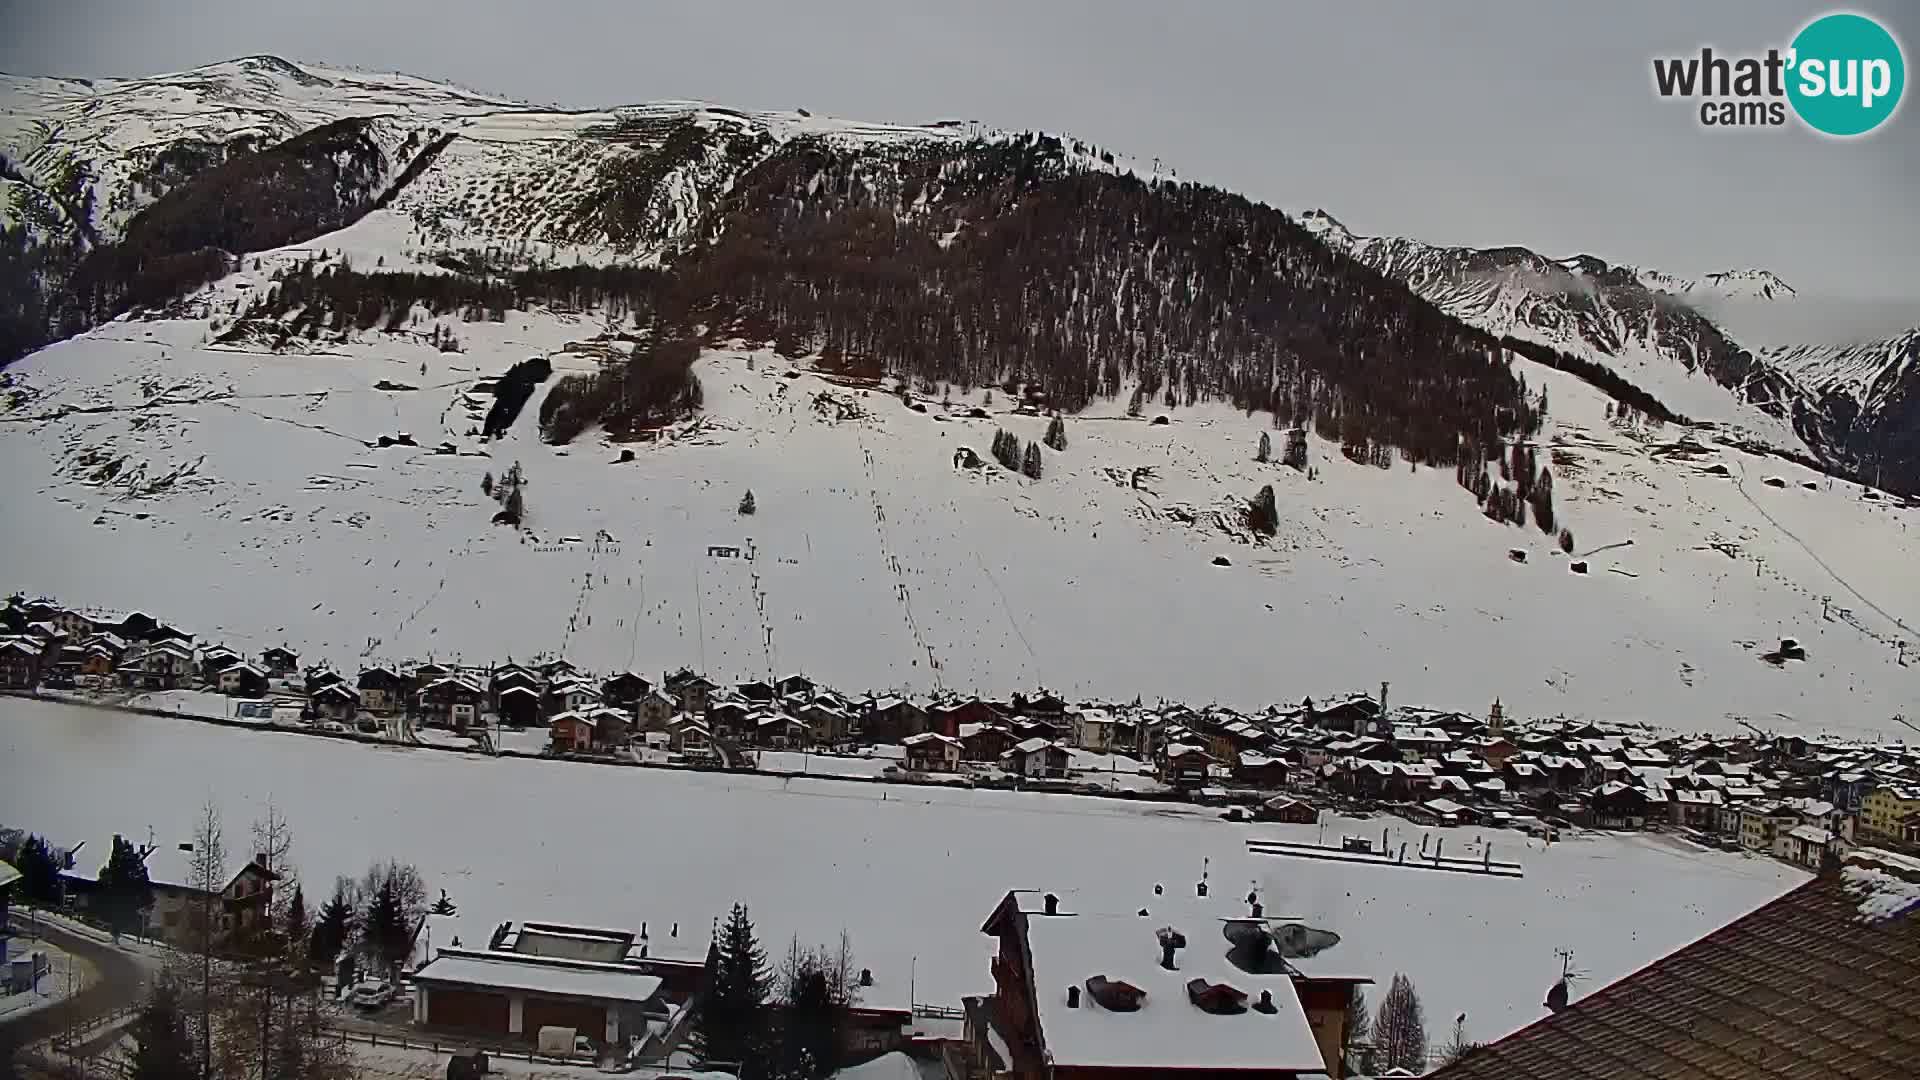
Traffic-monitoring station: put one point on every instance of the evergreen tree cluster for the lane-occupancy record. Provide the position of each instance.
(1006, 450)
(1057, 434)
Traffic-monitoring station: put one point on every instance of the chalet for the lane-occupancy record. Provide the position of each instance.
(1091, 729)
(570, 694)
(518, 706)
(690, 738)
(382, 690)
(693, 692)
(826, 725)
(654, 710)
(1618, 806)
(74, 624)
(242, 679)
(99, 658)
(599, 983)
(1032, 727)
(892, 719)
(931, 751)
(280, 661)
(794, 685)
(572, 733)
(1255, 769)
(513, 676)
(214, 659)
(1048, 707)
(162, 665)
(1037, 759)
(984, 742)
(776, 729)
(557, 669)
(1185, 765)
(1083, 996)
(19, 664)
(1356, 715)
(1807, 846)
(427, 674)
(1696, 809)
(625, 690)
(948, 716)
(451, 702)
(756, 691)
(336, 701)
(729, 718)
(180, 906)
(1288, 810)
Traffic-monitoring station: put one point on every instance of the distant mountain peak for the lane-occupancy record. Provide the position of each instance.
(1327, 227)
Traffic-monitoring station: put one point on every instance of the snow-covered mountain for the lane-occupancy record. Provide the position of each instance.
(1864, 399)
(1637, 322)
(406, 243)
(1691, 342)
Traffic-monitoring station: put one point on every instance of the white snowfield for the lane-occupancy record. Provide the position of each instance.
(240, 494)
(910, 873)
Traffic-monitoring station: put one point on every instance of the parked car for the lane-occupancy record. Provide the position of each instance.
(370, 994)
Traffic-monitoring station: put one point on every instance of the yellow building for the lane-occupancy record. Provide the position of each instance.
(1884, 808)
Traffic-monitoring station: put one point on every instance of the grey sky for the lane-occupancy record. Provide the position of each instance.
(1479, 123)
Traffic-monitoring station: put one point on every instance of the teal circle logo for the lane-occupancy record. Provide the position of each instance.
(1847, 74)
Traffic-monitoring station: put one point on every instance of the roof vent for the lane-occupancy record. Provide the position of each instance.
(1216, 998)
(1265, 1004)
(866, 976)
(1073, 997)
(1115, 995)
(1053, 904)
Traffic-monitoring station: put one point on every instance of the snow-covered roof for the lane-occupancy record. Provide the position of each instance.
(600, 982)
(1443, 806)
(1811, 834)
(926, 737)
(8, 875)
(1168, 1031)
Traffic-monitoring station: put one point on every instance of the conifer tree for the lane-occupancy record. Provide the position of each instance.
(1031, 465)
(162, 1049)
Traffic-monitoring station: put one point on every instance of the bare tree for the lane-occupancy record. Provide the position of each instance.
(1359, 1030)
(208, 871)
(1400, 1029)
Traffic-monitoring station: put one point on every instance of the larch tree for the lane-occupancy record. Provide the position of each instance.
(1400, 1029)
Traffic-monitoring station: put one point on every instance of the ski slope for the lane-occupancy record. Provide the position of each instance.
(238, 493)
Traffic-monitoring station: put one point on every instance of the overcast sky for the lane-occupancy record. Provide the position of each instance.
(1482, 123)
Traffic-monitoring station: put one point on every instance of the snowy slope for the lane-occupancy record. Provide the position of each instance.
(909, 873)
(147, 468)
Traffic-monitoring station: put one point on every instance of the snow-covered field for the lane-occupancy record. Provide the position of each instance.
(909, 872)
(237, 493)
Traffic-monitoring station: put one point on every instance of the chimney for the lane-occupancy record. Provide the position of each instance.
(1257, 909)
(1266, 1004)
(1171, 941)
(866, 976)
(1053, 904)
(1073, 997)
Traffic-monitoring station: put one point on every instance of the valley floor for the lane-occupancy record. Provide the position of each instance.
(909, 872)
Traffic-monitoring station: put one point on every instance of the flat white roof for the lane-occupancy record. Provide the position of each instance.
(520, 974)
(1168, 1031)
